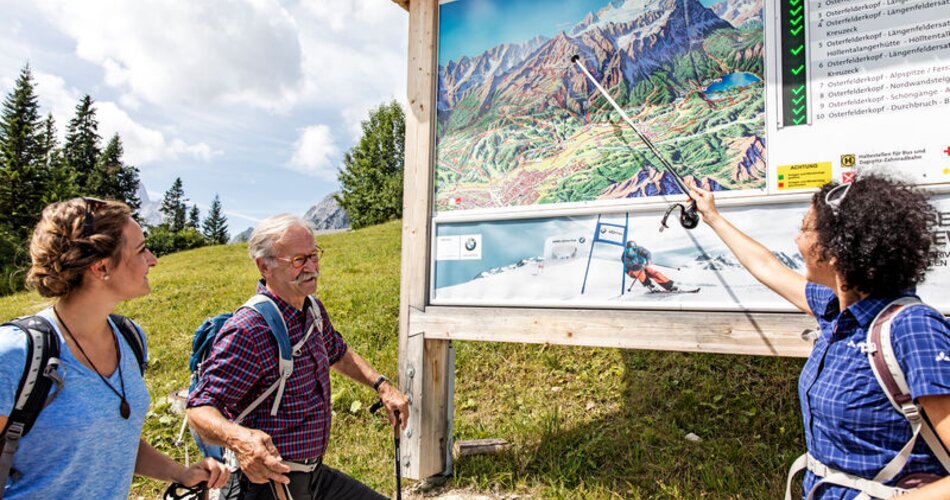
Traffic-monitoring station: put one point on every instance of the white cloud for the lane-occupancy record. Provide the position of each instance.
(315, 152)
(349, 56)
(174, 52)
(56, 98)
(144, 145)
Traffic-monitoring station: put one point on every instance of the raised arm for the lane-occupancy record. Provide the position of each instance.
(755, 257)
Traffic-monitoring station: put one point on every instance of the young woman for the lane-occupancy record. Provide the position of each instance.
(865, 244)
(88, 255)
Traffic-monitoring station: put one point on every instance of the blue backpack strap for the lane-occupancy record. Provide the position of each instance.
(33, 392)
(275, 321)
(278, 328)
(134, 337)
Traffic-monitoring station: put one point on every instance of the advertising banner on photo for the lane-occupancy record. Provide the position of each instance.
(624, 261)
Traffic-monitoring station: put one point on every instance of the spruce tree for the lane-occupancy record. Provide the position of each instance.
(173, 207)
(371, 177)
(62, 179)
(215, 226)
(194, 215)
(113, 179)
(23, 182)
(82, 142)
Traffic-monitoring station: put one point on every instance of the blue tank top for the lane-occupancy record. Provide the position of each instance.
(79, 447)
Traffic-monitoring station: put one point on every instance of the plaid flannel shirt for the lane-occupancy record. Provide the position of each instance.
(243, 364)
(850, 424)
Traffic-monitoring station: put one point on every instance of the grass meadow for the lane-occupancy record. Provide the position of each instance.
(583, 422)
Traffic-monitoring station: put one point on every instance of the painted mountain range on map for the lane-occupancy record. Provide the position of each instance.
(519, 125)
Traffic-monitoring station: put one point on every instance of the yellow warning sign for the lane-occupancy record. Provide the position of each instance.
(803, 176)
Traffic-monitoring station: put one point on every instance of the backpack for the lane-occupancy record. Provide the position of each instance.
(203, 342)
(890, 376)
(39, 375)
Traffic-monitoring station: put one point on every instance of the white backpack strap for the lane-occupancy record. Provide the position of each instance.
(880, 350)
(316, 324)
(797, 466)
(869, 488)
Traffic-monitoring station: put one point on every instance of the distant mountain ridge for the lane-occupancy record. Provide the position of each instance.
(328, 214)
(148, 210)
(738, 12)
(651, 182)
(725, 261)
(522, 74)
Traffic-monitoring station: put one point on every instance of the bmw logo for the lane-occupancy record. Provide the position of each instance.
(470, 244)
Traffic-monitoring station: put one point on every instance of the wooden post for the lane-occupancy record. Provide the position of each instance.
(424, 369)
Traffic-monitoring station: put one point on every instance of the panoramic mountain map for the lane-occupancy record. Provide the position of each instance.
(520, 125)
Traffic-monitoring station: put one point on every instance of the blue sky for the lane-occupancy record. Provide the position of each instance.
(256, 102)
(470, 27)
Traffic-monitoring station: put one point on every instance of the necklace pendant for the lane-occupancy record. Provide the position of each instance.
(124, 409)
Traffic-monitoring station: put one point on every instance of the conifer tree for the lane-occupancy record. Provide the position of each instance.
(22, 170)
(82, 142)
(62, 179)
(194, 221)
(112, 179)
(371, 177)
(173, 207)
(215, 226)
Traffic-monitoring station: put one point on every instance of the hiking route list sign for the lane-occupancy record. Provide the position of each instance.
(860, 85)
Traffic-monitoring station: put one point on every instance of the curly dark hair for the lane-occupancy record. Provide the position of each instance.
(880, 234)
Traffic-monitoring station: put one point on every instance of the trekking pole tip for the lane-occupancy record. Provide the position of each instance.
(575, 58)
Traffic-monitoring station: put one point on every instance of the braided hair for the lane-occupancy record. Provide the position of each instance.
(70, 237)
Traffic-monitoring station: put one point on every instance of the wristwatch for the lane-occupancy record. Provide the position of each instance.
(379, 382)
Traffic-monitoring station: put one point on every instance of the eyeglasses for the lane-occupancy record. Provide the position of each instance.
(299, 261)
(836, 195)
(92, 205)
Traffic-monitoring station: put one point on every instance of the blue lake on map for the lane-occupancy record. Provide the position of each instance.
(731, 81)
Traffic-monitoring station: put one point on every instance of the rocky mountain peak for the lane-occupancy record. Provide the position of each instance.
(328, 214)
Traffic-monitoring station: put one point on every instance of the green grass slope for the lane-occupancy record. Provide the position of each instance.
(584, 422)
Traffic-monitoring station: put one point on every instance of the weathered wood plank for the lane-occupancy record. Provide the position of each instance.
(402, 3)
(425, 440)
(770, 334)
(490, 446)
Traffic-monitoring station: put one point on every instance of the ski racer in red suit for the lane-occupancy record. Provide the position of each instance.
(636, 264)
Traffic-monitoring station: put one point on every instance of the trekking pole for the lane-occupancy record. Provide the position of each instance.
(689, 218)
(373, 409)
(398, 469)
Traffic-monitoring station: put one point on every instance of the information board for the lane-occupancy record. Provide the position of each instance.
(540, 186)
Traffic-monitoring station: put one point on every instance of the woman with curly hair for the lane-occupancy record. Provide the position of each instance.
(89, 255)
(865, 244)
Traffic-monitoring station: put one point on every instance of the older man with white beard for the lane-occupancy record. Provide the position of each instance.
(280, 456)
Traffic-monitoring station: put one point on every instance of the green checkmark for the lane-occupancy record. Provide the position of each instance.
(797, 20)
(797, 50)
(796, 31)
(798, 90)
(798, 100)
(799, 69)
(798, 110)
(794, 2)
(798, 120)
(796, 10)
